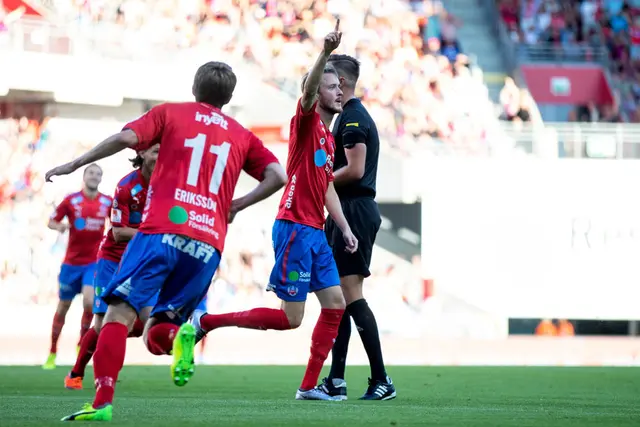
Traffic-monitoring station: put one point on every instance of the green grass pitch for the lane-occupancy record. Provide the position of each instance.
(263, 396)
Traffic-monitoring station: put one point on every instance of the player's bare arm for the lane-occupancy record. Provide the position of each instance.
(110, 146)
(274, 178)
(60, 227)
(123, 234)
(332, 203)
(311, 85)
(354, 170)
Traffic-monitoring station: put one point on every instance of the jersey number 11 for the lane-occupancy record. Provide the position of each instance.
(222, 151)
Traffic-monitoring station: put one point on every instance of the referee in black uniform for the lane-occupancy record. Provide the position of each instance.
(355, 170)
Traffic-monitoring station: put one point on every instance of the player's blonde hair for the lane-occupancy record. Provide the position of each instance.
(328, 69)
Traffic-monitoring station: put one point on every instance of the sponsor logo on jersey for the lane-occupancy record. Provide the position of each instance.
(136, 190)
(290, 192)
(201, 218)
(212, 119)
(93, 224)
(202, 222)
(323, 159)
(116, 215)
(198, 250)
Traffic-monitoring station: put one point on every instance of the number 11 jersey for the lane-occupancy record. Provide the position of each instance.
(202, 153)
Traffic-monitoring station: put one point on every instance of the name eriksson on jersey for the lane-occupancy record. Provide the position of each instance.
(195, 199)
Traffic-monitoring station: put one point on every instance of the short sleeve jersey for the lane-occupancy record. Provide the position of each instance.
(128, 204)
(309, 168)
(355, 126)
(202, 153)
(86, 218)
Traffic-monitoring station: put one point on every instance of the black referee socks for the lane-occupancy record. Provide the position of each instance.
(340, 347)
(368, 328)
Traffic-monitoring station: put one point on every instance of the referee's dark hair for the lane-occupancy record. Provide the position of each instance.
(136, 162)
(348, 68)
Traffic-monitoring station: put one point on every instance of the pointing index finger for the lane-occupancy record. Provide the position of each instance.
(337, 25)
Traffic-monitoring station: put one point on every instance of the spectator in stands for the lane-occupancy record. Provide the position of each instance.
(546, 328)
(565, 328)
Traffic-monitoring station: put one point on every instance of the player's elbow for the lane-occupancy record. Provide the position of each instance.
(357, 172)
(53, 225)
(117, 235)
(308, 99)
(127, 138)
(276, 175)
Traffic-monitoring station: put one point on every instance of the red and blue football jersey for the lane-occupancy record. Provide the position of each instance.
(309, 168)
(202, 153)
(128, 205)
(86, 218)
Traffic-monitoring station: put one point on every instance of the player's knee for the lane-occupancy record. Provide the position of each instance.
(120, 312)
(332, 298)
(295, 319)
(97, 322)
(145, 314)
(294, 312)
(63, 308)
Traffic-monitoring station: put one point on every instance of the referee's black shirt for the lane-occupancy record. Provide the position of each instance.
(355, 126)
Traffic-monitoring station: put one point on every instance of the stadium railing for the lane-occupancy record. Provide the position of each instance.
(570, 140)
(546, 52)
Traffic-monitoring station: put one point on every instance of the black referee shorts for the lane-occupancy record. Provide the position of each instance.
(363, 217)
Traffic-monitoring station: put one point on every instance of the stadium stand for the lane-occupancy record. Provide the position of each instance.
(577, 30)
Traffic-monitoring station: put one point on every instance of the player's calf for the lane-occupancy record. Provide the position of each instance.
(164, 336)
(324, 334)
(56, 328)
(110, 350)
(257, 318)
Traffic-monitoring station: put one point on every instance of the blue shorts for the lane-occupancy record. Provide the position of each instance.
(104, 273)
(203, 304)
(304, 261)
(174, 269)
(73, 277)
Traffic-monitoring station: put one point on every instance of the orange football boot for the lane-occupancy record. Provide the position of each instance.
(73, 383)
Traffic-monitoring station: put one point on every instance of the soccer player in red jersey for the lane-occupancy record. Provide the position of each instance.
(126, 216)
(177, 248)
(86, 212)
(304, 261)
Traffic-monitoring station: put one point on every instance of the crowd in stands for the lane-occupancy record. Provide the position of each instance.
(579, 27)
(415, 78)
